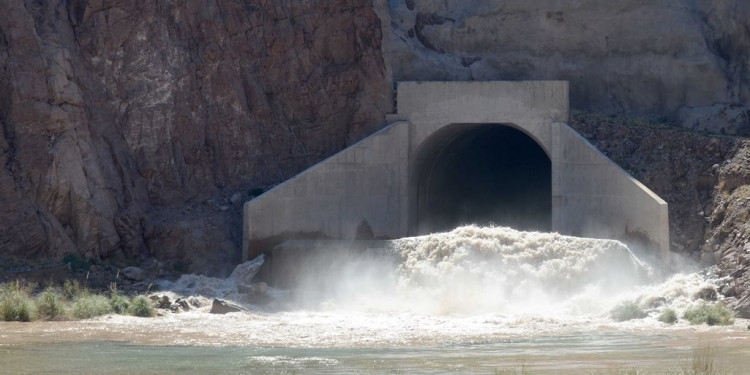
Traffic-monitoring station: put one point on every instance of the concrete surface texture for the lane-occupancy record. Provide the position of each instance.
(401, 180)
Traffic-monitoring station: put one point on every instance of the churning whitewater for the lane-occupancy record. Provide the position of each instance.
(498, 269)
(473, 283)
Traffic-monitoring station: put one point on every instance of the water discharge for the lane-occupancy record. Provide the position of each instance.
(473, 284)
(492, 270)
(492, 294)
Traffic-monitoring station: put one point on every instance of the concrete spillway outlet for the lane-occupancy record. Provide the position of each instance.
(312, 263)
(486, 174)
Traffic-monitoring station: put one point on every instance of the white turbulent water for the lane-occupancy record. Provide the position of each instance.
(473, 283)
(486, 269)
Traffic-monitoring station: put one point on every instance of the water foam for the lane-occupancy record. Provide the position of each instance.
(510, 275)
(481, 269)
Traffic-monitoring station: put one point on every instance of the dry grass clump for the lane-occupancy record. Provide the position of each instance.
(16, 303)
(70, 301)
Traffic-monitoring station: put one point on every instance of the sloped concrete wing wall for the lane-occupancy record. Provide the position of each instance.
(364, 183)
(597, 198)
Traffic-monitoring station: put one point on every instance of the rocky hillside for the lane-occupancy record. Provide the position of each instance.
(686, 60)
(136, 130)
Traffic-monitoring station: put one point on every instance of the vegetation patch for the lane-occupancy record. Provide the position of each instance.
(668, 316)
(50, 305)
(709, 313)
(142, 307)
(71, 301)
(16, 304)
(627, 311)
(90, 305)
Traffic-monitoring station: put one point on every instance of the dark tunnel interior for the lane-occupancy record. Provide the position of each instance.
(487, 174)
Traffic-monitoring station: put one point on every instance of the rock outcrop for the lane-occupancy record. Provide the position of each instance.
(126, 125)
(728, 238)
(685, 60)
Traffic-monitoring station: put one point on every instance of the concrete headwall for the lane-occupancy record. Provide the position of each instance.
(374, 180)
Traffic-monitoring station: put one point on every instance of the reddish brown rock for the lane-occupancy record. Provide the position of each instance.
(118, 116)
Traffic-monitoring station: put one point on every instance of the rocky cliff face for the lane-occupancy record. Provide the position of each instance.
(127, 124)
(686, 61)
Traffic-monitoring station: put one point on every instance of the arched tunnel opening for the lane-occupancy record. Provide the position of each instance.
(485, 174)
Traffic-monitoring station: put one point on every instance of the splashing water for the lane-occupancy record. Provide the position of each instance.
(479, 270)
(496, 269)
(473, 282)
(465, 301)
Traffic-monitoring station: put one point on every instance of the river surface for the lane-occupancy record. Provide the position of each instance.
(475, 300)
(238, 343)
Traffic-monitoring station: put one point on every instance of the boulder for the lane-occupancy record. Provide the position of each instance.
(179, 305)
(224, 307)
(707, 294)
(161, 302)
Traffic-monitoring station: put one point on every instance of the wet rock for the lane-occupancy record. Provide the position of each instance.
(134, 273)
(195, 302)
(161, 302)
(222, 307)
(708, 294)
(179, 305)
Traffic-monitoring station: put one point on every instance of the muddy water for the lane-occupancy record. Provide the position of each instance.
(200, 343)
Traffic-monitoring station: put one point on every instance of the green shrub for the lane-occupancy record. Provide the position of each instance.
(16, 303)
(91, 305)
(73, 289)
(141, 306)
(668, 316)
(16, 307)
(627, 311)
(119, 304)
(49, 305)
(709, 313)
